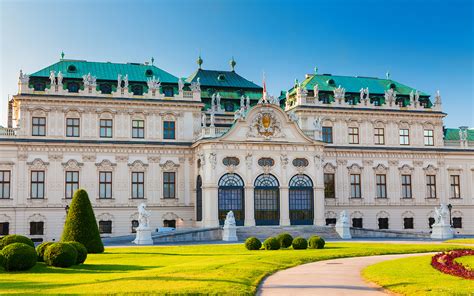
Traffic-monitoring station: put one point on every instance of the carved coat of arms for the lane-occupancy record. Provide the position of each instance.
(266, 125)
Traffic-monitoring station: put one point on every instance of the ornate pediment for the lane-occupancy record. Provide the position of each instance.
(355, 168)
(138, 166)
(329, 168)
(72, 164)
(169, 165)
(380, 169)
(430, 169)
(38, 164)
(266, 125)
(406, 169)
(106, 164)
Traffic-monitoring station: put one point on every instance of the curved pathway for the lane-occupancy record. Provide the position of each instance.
(329, 277)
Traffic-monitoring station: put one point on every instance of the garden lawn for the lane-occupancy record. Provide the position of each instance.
(416, 276)
(207, 269)
(467, 261)
(460, 241)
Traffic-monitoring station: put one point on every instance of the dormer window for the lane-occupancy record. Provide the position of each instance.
(221, 77)
(392, 86)
(331, 82)
(137, 90)
(148, 73)
(72, 69)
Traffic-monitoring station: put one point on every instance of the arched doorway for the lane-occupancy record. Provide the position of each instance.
(301, 200)
(231, 198)
(267, 200)
(199, 198)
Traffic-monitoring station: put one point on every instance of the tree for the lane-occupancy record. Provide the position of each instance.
(81, 225)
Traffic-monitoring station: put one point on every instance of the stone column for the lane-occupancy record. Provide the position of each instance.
(284, 206)
(318, 198)
(209, 192)
(249, 193)
(419, 182)
(182, 180)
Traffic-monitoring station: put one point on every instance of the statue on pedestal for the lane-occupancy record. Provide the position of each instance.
(343, 226)
(143, 236)
(442, 226)
(230, 229)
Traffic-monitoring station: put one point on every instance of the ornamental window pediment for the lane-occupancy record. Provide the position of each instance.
(403, 124)
(137, 166)
(355, 168)
(408, 214)
(36, 218)
(169, 166)
(106, 113)
(106, 165)
(39, 112)
(37, 164)
(72, 165)
(357, 214)
(406, 169)
(329, 168)
(383, 214)
(105, 217)
(380, 169)
(431, 170)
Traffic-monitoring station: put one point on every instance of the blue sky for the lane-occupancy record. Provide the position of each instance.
(424, 44)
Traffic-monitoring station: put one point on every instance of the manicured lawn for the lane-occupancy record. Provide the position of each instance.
(461, 241)
(467, 261)
(207, 269)
(416, 276)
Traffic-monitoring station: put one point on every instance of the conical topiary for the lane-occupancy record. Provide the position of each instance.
(81, 225)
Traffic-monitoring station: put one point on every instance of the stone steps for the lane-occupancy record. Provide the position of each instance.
(263, 232)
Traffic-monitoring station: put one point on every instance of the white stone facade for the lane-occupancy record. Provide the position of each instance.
(264, 132)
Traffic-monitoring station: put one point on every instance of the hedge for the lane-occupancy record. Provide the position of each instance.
(285, 240)
(81, 252)
(18, 256)
(316, 242)
(253, 243)
(300, 243)
(60, 255)
(15, 238)
(271, 243)
(40, 250)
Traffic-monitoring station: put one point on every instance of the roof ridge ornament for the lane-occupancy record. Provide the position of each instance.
(232, 64)
(199, 61)
(387, 75)
(62, 55)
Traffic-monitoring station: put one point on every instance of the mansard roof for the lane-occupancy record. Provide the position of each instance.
(224, 79)
(452, 134)
(353, 84)
(136, 72)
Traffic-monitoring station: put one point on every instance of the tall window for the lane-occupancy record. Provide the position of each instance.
(353, 135)
(138, 129)
(39, 126)
(408, 223)
(355, 186)
(106, 128)
(105, 184)
(72, 183)
(383, 223)
(36, 228)
(5, 184)
(169, 184)
(327, 134)
(169, 130)
(379, 136)
(138, 184)
(457, 222)
(381, 184)
(72, 127)
(4, 228)
(431, 186)
(428, 136)
(431, 221)
(455, 186)
(37, 184)
(406, 186)
(105, 226)
(329, 186)
(135, 224)
(404, 136)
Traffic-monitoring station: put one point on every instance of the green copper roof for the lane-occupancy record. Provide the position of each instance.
(107, 71)
(354, 84)
(452, 134)
(212, 78)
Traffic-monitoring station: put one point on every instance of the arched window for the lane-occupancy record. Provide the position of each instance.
(267, 200)
(231, 198)
(199, 198)
(301, 200)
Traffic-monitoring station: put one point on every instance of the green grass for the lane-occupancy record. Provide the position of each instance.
(467, 261)
(416, 276)
(208, 269)
(461, 241)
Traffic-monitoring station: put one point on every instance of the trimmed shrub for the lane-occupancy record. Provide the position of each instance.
(2, 259)
(40, 250)
(285, 240)
(15, 238)
(271, 243)
(60, 255)
(300, 243)
(18, 256)
(81, 225)
(253, 243)
(316, 242)
(81, 252)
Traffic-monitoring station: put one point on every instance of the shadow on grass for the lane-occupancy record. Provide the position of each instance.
(183, 255)
(42, 268)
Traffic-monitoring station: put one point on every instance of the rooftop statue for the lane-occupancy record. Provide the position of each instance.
(60, 78)
(153, 84)
(119, 81)
(339, 93)
(203, 119)
(248, 102)
(89, 80)
(316, 91)
(52, 78)
(390, 96)
(437, 98)
(125, 79)
(24, 78)
(180, 85)
(242, 102)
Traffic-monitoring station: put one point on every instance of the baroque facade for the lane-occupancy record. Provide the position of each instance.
(194, 148)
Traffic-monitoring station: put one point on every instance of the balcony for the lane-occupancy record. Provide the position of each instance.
(7, 132)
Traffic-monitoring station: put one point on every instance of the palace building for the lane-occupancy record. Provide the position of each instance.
(195, 148)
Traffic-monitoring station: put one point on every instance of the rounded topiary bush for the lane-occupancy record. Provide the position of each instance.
(15, 238)
(60, 255)
(316, 242)
(300, 243)
(18, 256)
(271, 243)
(2, 259)
(40, 250)
(285, 240)
(81, 252)
(81, 225)
(253, 243)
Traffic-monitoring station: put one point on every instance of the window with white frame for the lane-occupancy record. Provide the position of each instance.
(138, 129)
(38, 126)
(406, 186)
(106, 128)
(353, 135)
(455, 186)
(428, 137)
(72, 127)
(37, 184)
(5, 184)
(379, 136)
(355, 186)
(138, 184)
(72, 183)
(381, 185)
(105, 184)
(404, 136)
(430, 186)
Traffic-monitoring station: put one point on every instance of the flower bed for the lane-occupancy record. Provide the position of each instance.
(444, 262)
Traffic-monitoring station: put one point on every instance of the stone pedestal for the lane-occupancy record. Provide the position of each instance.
(442, 231)
(343, 230)
(230, 233)
(143, 236)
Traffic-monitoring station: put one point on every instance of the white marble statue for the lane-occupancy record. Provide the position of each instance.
(442, 215)
(248, 102)
(196, 86)
(24, 78)
(229, 233)
(143, 236)
(441, 229)
(213, 119)
(437, 98)
(362, 94)
(180, 85)
(125, 80)
(339, 93)
(60, 78)
(317, 123)
(343, 225)
(203, 119)
(89, 80)
(213, 103)
(218, 101)
(52, 77)
(153, 84)
(390, 97)
(316, 92)
(143, 216)
(119, 81)
(417, 96)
